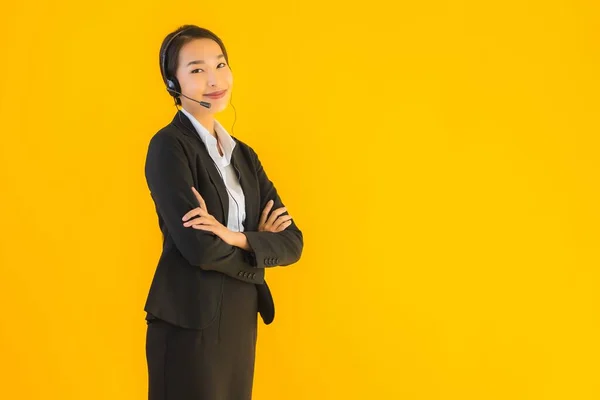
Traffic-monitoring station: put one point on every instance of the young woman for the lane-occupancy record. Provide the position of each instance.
(223, 223)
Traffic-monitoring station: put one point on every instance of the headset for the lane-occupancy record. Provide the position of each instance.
(173, 86)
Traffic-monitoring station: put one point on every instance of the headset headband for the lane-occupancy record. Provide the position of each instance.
(163, 56)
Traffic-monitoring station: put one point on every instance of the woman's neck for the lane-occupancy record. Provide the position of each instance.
(206, 120)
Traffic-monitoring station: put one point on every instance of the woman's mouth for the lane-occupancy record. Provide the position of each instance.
(216, 95)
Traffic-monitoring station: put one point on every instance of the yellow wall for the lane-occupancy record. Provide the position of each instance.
(441, 158)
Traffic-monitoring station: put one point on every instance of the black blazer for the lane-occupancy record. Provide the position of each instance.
(187, 284)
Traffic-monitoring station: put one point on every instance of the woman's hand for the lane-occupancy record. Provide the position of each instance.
(275, 222)
(207, 222)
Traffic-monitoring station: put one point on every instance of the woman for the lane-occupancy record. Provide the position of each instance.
(223, 223)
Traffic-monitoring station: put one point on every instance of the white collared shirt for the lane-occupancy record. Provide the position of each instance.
(237, 201)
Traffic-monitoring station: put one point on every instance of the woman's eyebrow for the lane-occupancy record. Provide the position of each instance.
(202, 61)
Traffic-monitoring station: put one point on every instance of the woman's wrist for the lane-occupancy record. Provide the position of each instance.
(241, 241)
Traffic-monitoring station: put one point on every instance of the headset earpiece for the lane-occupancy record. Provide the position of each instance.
(173, 87)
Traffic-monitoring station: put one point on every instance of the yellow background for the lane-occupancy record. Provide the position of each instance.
(441, 158)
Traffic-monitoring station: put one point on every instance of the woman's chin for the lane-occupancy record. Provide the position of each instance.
(217, 106)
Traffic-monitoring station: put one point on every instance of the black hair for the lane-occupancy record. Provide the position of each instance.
(172, 56)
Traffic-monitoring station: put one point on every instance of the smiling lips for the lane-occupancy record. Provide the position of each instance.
(216, 95)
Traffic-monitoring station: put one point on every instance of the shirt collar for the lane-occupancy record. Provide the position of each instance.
(210, 141)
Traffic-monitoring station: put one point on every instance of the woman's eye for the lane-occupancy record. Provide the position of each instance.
(194, 71)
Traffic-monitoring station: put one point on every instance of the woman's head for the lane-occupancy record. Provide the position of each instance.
(196, 61)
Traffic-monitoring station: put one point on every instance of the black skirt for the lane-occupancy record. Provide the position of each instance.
(215, 363)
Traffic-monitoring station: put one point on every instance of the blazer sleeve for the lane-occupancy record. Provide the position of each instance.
(169, 179)
(271, 249)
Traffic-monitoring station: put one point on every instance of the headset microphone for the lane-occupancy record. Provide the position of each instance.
(202, 103)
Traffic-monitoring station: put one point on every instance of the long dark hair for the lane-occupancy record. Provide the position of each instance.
(172, 56)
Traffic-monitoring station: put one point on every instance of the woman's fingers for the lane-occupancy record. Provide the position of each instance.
(265, 213)
(195, 212)
(200, 211)
(274, 215)
(201, 221)
(281, 219)
(207, 228)
(282, 222)
(195, 221)
(283, 226)
(199, 198)
(269, 222)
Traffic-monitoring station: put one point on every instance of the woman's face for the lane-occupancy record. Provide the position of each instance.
(204, 75)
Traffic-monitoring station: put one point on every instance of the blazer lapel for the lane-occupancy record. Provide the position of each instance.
(185, 125)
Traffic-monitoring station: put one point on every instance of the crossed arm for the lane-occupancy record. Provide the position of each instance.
(170, 181)
(269, 221)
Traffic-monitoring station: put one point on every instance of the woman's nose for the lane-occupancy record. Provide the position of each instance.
(212, 78)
